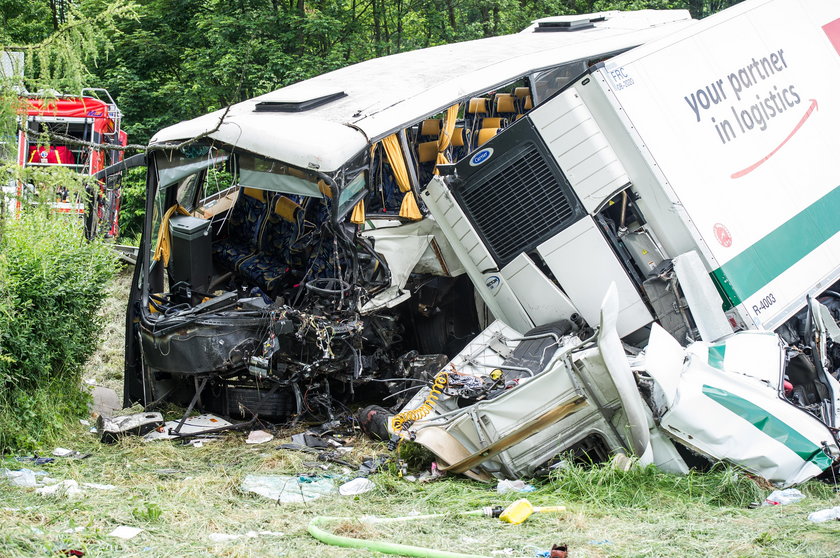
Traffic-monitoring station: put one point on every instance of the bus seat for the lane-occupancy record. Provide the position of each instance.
(485, 134)
(505, 103)
(431, 127)
(528, 103)
(493, 122)
(458, 139)
(271, 265)
(244, 223)
(478, 105)
(427, 151)
(521, 92)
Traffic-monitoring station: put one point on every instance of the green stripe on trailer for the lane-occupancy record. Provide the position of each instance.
(742, 276)
(770, 425)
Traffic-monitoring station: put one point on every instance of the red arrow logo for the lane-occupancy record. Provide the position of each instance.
(761, 161)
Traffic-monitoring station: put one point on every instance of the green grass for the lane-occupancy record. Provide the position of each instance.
(610, 513)
(642, 512)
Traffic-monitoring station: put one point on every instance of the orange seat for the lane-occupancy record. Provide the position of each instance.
(521, 92)
(478, 105)
(427, 151)
(493, 122)
(431, 127)
(505, 103)
(485, 134)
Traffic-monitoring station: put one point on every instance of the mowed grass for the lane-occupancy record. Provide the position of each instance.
(180, 495)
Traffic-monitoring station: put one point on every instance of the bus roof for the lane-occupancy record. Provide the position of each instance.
(385, 94)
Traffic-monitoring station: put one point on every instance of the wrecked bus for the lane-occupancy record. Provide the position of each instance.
(691, 178)
(288, 262)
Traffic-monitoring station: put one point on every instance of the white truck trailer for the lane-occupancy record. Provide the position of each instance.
(698, 175)
(717, 140)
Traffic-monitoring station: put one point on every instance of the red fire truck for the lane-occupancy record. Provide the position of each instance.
(91, 117)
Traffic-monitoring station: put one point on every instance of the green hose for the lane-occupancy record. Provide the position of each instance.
(382, 546)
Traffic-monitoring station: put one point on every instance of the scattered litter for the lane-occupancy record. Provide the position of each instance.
(68, 488)
(74, 530)
(503, 552)
(193, 426)
(138, 424)
(505, 486)
(24, 478)
(356, 486)
(287, 489)
(557, 551)
(71, 552)
(35, 460)
(125, 532)
(64, 452)
(84, 422)
(259, 437)
(825, 515)
(783, 497)
(372, 464)
(520, 510)
(225, 537)
(309, 440)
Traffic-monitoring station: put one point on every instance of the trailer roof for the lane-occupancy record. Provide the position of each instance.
(385, 94)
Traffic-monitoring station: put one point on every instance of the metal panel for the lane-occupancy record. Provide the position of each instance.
(479, 265)
(585, 266)
(540, 298)
(580, 148)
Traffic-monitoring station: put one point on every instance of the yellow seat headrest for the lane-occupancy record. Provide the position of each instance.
(255, 193)
(529, 103)
(458, 137)
(431, 127)
(286, 209)
(427, 151)
(493, 122)
(485, 134)
(505, 102)
(521, 92)
(478, 105)
(325, 188)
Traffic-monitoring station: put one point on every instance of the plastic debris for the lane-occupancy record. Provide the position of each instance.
(356, 486)
(259, 437)
(825, 515)
(505, 486)
(113, 428)
(192, 426)
(24, 478)
(64, 452)
(288, 489)
(35, 460)
(783, 497)
(68, 488)
(125, 532)
(520, 510)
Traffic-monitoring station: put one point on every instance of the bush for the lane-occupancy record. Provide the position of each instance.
(52, 283)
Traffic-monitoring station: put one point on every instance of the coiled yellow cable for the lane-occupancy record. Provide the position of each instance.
(398, 422)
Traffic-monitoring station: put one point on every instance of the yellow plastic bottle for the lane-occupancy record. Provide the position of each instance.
(521, 510)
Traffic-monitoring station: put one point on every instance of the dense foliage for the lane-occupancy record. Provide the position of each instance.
(52, 283)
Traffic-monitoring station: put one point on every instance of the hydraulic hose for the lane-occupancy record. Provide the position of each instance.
(385, 547)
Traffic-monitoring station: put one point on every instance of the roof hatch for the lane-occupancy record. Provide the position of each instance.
(298, 104)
